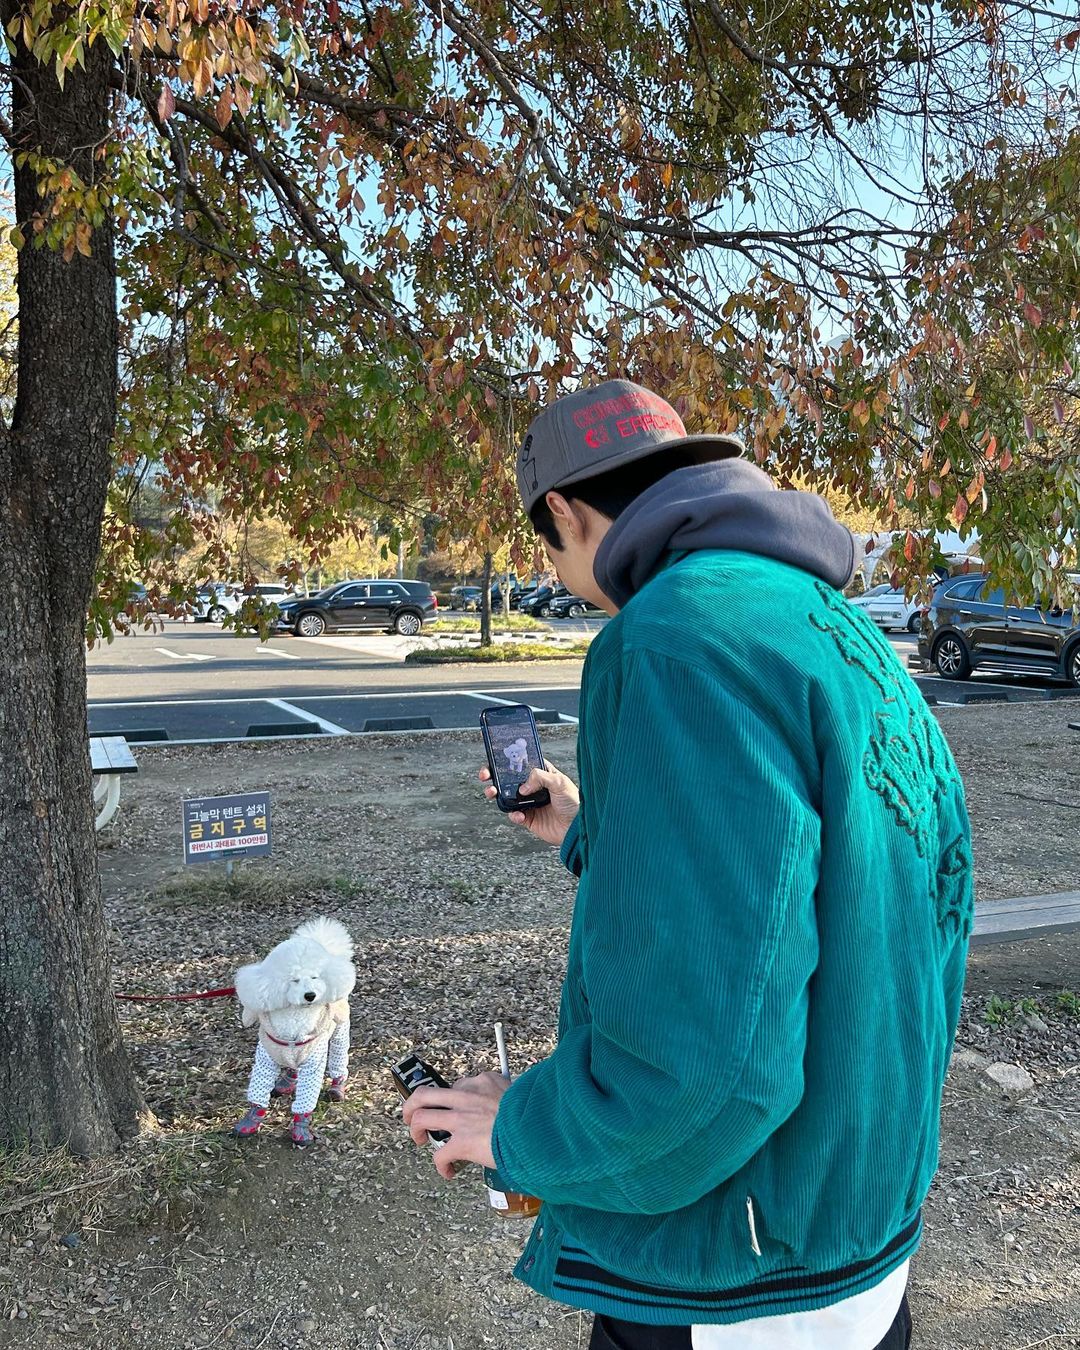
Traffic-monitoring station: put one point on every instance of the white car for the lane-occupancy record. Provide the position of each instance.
(214, 603)
(889, 607)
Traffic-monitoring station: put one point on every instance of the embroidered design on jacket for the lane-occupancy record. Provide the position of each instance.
(906, 761)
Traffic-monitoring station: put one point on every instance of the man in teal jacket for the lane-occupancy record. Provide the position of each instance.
(739, 1125)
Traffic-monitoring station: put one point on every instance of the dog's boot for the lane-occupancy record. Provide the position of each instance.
(336, 1090)
(250, 1122)
(285, 1085)
(301, 1133)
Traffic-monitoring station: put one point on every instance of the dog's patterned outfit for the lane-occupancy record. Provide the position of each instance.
(328, 1055)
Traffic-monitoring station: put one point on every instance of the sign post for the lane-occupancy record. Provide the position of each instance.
(229, 827)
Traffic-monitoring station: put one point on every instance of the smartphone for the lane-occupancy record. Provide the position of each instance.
(513, 751)
(412, 1072)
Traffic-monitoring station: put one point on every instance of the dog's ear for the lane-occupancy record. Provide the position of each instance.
(253, 989)
(340, 976)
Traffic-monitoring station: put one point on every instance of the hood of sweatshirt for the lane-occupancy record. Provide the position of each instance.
(730, 504)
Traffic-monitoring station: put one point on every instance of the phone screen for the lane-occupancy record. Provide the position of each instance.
(513, 747)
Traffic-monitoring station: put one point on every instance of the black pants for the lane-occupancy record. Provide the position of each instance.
(611, 1334)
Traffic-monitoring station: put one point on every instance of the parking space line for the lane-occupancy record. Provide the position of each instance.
(331, 727)
(512, 703)
(183, 656)
(273, 651)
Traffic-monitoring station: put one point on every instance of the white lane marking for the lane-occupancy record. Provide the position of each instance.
(275, 651)
(331, 727)
(183, 656)
(512, 703)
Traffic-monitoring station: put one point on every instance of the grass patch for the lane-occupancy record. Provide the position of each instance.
(1002, 1012)
(515, 623)
(500, 653)
(259, 885)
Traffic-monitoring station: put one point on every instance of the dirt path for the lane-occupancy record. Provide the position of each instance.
(193, 1240)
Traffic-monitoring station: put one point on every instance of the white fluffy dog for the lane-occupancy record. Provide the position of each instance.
(517, 752)
(299, 996)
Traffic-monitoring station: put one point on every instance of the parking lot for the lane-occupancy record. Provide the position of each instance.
(195, 682)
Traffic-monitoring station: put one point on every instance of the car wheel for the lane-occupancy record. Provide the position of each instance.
(407, 625)
(310, 625)
(913, 623)
(544, 612)
(576, 611)
(1072, 665)
(951, 659)
(217, 614)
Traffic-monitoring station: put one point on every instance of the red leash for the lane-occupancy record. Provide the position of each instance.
(175, 998)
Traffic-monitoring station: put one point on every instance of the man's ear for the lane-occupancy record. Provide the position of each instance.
(567, 515)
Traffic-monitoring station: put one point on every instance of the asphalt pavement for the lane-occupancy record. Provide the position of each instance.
(187, 682)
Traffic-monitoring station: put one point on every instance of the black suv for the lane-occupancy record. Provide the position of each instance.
(969, 625)
(393, 606)
(571, 606)
(538, 605)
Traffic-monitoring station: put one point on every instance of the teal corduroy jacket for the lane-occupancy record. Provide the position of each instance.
(766, 959)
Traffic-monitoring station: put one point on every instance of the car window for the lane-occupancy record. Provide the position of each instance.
(352, 593)
(991, 595)
(384, 592)
(963, 589)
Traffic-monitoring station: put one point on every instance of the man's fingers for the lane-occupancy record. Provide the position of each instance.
(537, 779)
(446, 1162)
(427, 1097)
(420, 1122)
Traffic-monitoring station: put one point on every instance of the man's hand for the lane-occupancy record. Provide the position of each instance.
(550, 822)
(467, 1110)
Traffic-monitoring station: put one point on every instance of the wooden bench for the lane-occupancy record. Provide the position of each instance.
(110, 759)
(1028, 917)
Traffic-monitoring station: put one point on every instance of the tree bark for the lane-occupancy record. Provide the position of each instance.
(64, 1076)
(485, 603)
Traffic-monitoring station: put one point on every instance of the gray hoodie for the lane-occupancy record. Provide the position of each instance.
(729, 504)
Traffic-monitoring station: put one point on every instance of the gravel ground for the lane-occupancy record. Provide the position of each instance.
(191, 1239)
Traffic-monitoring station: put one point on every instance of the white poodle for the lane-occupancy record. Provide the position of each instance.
(299, 996)
(517, 752)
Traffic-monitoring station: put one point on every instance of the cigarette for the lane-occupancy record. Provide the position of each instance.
(500, 1044)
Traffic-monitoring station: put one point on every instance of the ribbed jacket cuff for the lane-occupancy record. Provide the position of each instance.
(570, 852)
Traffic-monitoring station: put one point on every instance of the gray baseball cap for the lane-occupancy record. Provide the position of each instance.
(599, 428)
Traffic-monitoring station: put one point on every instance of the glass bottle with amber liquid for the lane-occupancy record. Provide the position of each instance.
(507, 1203)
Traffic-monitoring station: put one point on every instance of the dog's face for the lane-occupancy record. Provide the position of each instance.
(296, 974)
(304, 987)
(517, 752)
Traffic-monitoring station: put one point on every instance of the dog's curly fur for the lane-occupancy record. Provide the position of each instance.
(315, 960)
(298, 994)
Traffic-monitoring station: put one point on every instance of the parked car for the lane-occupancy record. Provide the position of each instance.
(538, 605)
(865, 595)
(466, 597)
(968, 625)
(392, 606)
(571, 606)
(889, 607)
(497, 599)
(216, 602)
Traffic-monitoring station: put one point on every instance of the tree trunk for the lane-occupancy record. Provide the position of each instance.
(485, 603)
(64, 1075)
